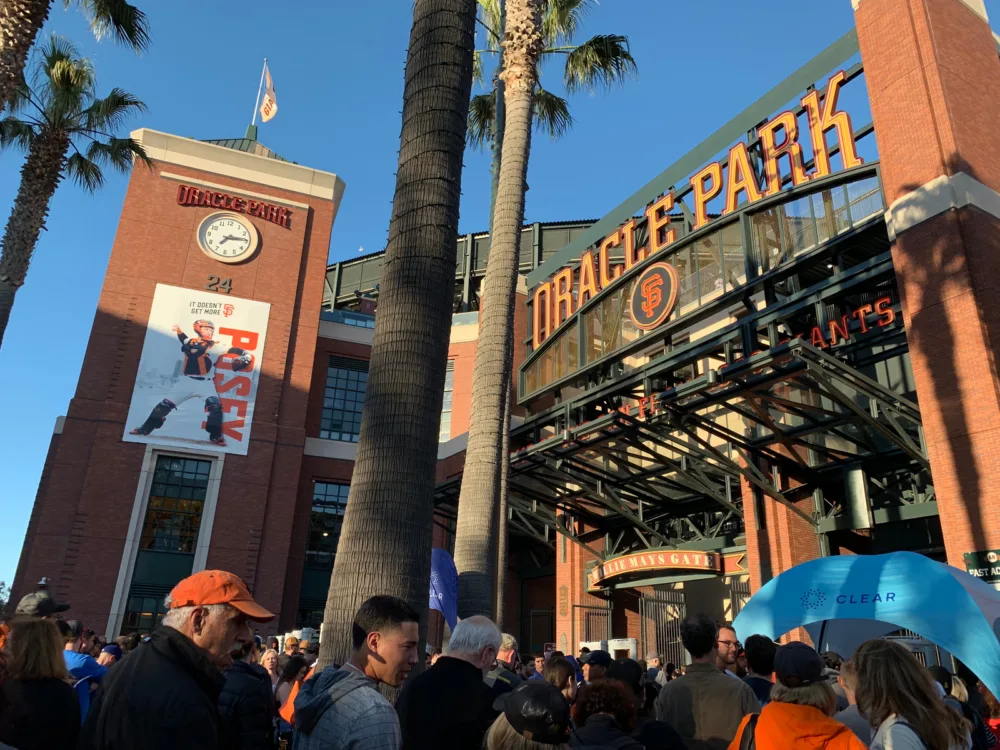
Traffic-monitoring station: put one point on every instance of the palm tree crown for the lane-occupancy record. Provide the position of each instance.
(62, 100)
(65, 128)
(600, 62)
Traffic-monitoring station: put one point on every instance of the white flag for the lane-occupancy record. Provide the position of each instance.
(268, 107)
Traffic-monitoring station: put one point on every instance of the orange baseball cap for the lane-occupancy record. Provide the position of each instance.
(217, 587)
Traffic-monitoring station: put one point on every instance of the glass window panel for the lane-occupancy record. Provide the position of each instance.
(558, 349)
(592, 333)
(171, 525)
(866, 199)
(840, 216)
(343, 401)
(766, 238)
(798, 234)
(822, 204)
(329, 504)
(531, 378)
(733, 255)
(572, 348)
(687, 272)
(708, 251)
(449, 386)
(611, 323)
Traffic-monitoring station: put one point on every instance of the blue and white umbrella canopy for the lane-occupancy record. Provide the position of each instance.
(945, 605)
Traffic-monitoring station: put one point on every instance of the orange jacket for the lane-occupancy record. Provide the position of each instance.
(785, 726)
(287, 711)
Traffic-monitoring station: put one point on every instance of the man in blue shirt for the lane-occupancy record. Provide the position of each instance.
(83, 668)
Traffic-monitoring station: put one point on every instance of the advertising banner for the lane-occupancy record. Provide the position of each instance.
(199, 371)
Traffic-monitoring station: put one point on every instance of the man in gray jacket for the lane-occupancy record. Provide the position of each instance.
(343, 708)
(705, 705)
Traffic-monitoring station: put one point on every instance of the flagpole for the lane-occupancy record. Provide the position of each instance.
(260, 87)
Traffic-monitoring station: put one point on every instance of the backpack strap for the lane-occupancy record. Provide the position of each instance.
(908, 725)
(747, 739)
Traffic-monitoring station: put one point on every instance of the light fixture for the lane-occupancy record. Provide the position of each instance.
(326, 533)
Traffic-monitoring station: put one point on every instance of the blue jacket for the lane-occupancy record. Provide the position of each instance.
(84, 669)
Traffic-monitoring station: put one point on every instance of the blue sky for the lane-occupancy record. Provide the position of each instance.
(338, 74)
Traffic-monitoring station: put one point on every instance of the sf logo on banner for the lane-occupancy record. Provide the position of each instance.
(654, 296)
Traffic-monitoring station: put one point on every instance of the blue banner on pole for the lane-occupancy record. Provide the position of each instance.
(444, 586)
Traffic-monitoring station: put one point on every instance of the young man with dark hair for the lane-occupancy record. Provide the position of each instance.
(343, 708)
(704, 705)
(729, 649)
(82, 667)
(760, 652)
(539, 657)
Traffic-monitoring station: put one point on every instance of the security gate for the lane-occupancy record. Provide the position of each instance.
(594, 624)
(660, 615)
(739, 595)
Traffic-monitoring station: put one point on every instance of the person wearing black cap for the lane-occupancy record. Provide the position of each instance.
(648, 732)
(535, 716)
(595, 665)
(799, 716)
(39, 604)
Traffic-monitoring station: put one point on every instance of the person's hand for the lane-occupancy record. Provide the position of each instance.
(175, 328)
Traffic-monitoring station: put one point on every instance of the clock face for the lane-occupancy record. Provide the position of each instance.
(227, 237)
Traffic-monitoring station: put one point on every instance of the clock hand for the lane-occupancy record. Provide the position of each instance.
(224, 239)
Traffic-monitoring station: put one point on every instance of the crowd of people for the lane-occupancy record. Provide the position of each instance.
(206, 680)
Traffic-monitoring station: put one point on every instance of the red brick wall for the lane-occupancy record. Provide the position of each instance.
(83, 509)
(935, 96)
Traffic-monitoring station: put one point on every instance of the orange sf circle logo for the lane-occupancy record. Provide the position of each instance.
(654, 296)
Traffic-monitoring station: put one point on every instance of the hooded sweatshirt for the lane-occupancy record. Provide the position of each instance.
(786, 726)
(342, 709)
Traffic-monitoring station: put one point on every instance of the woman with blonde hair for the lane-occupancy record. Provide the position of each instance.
(535, 716)
(897, 695)
(270, 662)
(799, 714)
(40, 709)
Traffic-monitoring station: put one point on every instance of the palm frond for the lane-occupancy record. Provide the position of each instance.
(488, 13)
(477, 67)
(561, 19)
(117, 153)
(551, 113)
(482, 112)
(600, 62)
(84, 172)
(123, 20)
(59, 64)
(113, 111)
(16, 133)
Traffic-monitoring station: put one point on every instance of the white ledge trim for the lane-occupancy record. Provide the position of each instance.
(322, 448)
(976, 6)
(233, 190)
(343, 332)
(937, 196)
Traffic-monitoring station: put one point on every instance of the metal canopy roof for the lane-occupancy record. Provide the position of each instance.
(670, 477)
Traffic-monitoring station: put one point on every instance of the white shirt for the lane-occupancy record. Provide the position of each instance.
(891, 735)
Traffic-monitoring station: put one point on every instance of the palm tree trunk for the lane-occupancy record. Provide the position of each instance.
(502, 538)
(385, 543)
(20, 22)
(40, 176)
(477, 507)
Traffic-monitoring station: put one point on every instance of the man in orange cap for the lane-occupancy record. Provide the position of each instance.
(165, 695)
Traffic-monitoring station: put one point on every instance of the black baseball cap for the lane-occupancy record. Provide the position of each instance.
(797, 665)
(629, 673)
(597, 659)
(537, 711)
(39, 604)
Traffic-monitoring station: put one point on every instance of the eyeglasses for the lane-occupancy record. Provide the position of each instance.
(728, 644)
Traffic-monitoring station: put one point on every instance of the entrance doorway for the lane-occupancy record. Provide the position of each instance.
(590, 623)
(660, 615)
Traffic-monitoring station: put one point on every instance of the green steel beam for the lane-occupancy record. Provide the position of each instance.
(881, 516)
(838, 52)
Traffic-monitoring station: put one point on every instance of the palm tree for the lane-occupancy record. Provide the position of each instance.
(21, 20)
(532, 30)
(385, 542)
(65, 130)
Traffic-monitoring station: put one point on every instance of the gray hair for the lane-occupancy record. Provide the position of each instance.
(177, 616)
(508, 642)
(473, 634)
